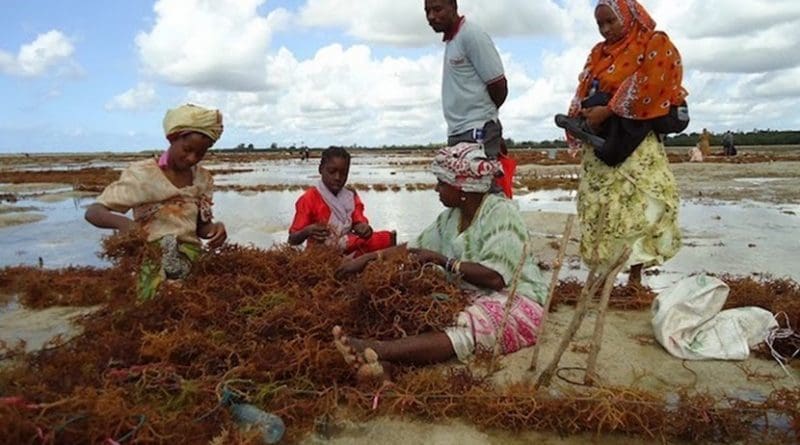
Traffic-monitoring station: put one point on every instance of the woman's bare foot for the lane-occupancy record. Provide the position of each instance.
(372, 367)
(362, 358)
(342, 344)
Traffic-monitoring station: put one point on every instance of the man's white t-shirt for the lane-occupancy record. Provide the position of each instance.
(471, 62)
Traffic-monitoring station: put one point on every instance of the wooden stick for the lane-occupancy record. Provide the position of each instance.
(587, 293)
(509, 304)
(590, 288)
(597, 338)
(553, 282)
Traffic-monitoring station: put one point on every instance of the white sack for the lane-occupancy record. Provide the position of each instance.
(688, 323)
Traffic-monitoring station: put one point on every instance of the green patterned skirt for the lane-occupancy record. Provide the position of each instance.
(640, 201)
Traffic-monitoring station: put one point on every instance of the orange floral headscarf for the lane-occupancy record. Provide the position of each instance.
(642, 71)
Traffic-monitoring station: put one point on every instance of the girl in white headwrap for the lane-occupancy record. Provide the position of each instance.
(479, 237)
(170, 197)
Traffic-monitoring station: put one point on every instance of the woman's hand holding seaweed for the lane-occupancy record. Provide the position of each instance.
(216, 235)
(596, 116)
(363, 230)
(429, 256)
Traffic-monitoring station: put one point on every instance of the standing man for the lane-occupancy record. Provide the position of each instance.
(727, 144)
(473, 81)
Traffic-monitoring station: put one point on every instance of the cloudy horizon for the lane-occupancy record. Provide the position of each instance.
(83, 76)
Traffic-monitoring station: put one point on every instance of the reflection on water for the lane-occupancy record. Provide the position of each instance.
(61, 239)
(363, 170)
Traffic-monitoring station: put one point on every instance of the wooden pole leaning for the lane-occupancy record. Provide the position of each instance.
(590, 288)
(597, 338)
(593, 283)
(553, 283)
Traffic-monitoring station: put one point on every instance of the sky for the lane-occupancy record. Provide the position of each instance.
(91, 75)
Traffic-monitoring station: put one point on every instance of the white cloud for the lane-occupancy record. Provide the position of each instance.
(216, 44)
(340, 96)
(733, 36)
(699, 19)
(141, 97)
(355, 94)
(34, 59)
(757, 51)
(778, 85)
(403, 23)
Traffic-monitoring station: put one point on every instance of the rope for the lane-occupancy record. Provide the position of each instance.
(782, 334)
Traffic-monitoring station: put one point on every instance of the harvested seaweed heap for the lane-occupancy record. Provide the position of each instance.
(257, 324)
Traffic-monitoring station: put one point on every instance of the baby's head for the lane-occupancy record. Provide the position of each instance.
(191, 131)
(334, 166)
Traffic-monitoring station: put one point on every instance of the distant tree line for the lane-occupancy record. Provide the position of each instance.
(754, 137)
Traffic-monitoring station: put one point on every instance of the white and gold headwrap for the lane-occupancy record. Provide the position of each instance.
(191, 118)
(466, 167)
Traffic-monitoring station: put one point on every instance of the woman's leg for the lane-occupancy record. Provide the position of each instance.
(422, 349)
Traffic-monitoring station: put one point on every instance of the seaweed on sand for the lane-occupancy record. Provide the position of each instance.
(257, 323)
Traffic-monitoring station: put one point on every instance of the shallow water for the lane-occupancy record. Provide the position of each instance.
(739, 238)
(363, 171)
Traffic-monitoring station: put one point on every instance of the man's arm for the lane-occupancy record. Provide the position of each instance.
(483, 55)
(498, 91)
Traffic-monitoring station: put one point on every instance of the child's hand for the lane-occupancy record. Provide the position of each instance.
(349, 267)
(216, 235)
(318, 232)
(363, 230)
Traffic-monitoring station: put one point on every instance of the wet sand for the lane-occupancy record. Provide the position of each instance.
(773, 182)
(11, 215)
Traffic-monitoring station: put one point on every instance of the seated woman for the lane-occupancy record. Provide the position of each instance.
(170, 197)
(333, 214)
(479, 237)
(696, 154)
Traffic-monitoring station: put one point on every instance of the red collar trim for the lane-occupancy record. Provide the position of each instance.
(451, 33)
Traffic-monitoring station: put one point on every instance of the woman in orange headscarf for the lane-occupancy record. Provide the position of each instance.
(629, 94)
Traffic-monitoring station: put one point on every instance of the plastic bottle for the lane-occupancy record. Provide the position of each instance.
(250, 416)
